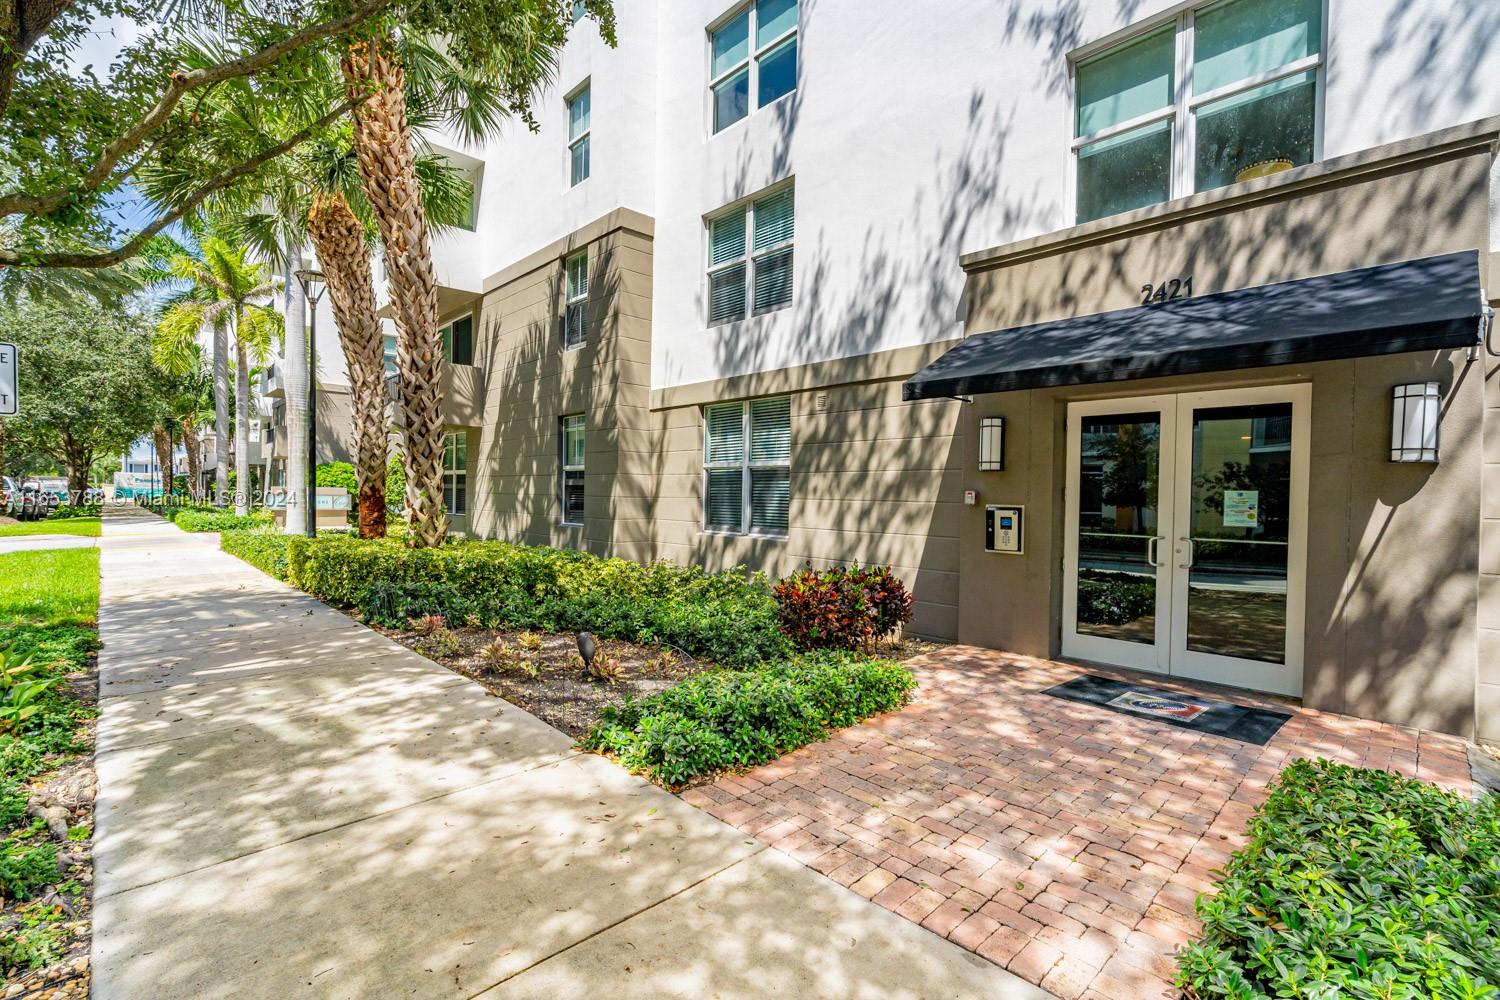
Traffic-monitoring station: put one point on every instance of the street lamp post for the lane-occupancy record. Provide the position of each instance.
(313, 288)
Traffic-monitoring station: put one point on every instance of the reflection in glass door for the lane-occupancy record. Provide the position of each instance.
(1184, 550)
(1115, 604)
(1237, 531)
(1119, 483)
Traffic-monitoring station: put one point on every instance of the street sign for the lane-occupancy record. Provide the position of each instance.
(10, 382)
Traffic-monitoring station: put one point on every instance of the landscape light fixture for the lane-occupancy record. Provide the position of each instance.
(313, 287)
(1415, 409)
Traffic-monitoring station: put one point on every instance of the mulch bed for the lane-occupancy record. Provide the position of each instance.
(561, 695)
(67, 907)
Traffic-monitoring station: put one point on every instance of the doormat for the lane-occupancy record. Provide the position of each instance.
(1202, 715)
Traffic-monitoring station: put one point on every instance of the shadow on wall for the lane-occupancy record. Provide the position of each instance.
(531, 385)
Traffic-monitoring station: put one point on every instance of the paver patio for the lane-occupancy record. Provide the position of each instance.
(1064, 842)
(292, 805)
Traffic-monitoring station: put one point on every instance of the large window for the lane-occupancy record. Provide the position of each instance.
(747, 459)
(456, 473)
(766, 67)
(458, 341)
(578, 136)
(575, 309)
(750, 257)
(1224, 93)
(572, 469)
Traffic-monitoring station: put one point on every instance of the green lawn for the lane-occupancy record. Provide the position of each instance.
(88, 526)
(49, 587)
(49, 602)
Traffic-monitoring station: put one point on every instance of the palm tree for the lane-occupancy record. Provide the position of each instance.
(223, 290)
(317, 195)
(514, 56)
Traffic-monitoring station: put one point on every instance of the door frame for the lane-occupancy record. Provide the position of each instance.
(1213, 667)
(1169, 654)
(1134, 655)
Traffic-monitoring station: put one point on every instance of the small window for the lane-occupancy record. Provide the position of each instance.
(1249, 107)
(578, 136)
(575, 309)
(456, 473)
(750, 257)
(747, 466)
(578, 11)
(767, 69)
(572, 469)
(390, 353)
(458, 341)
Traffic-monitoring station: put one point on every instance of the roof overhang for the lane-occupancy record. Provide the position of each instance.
(1433, 303)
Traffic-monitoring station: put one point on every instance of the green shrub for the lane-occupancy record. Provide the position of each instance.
(261, 548)
(1115, 598)
(728, 617)
(26, 866)
(1359, 884)
(395, 484)
(338, 474)
(64, 511)
(217, 520)
(34, 945)
(846, 607)
(726, 719)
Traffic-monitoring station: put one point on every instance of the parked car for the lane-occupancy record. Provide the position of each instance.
(10, 495)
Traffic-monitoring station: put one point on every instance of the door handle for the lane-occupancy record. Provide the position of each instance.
(1151, 546)
(1191, 553)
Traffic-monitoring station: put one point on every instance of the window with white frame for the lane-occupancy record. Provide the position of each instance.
(750, 257)
(456, 473)
(458, 341)
(747, 458)
(1223, 93)
(575, 309)
(578, 11)
(752, 52)
(578, 135)
(572, 469)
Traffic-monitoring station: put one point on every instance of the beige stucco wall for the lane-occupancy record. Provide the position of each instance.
(1394, 560)
(522, 383)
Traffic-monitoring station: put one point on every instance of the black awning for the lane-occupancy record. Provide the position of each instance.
(1416, 305)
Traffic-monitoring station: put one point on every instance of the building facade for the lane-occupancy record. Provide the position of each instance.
(1095, 320)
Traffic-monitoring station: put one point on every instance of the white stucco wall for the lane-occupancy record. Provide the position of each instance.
(917, 133)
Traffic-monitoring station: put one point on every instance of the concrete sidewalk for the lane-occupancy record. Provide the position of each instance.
(29, 543)
(292, 805)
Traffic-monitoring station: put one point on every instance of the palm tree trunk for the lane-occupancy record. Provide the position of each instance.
(194, 463)
(242, 482)
(295, 383)
(221, 413)
(162, 439)
(340, 241)
(382, 143)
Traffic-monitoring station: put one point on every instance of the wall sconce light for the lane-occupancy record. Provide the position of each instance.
(991, 444)
(1415, 408)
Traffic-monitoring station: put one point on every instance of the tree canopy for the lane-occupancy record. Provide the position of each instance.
(87, 385)
(210, 93)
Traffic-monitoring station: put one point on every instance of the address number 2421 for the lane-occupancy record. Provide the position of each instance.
(1175, 288)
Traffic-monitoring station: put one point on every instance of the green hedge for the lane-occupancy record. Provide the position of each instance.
(220, 520)
(724, 719)
(729, 618)
(263, 548)
(1355, 883)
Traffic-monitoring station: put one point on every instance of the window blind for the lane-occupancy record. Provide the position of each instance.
(726, 434)
(771, 430)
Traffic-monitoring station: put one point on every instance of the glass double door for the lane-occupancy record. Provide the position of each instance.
(1185, 541)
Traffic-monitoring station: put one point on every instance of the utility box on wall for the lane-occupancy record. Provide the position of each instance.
(1003, 529)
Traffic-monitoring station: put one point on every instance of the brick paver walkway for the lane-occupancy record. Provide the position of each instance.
(1061, 841)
